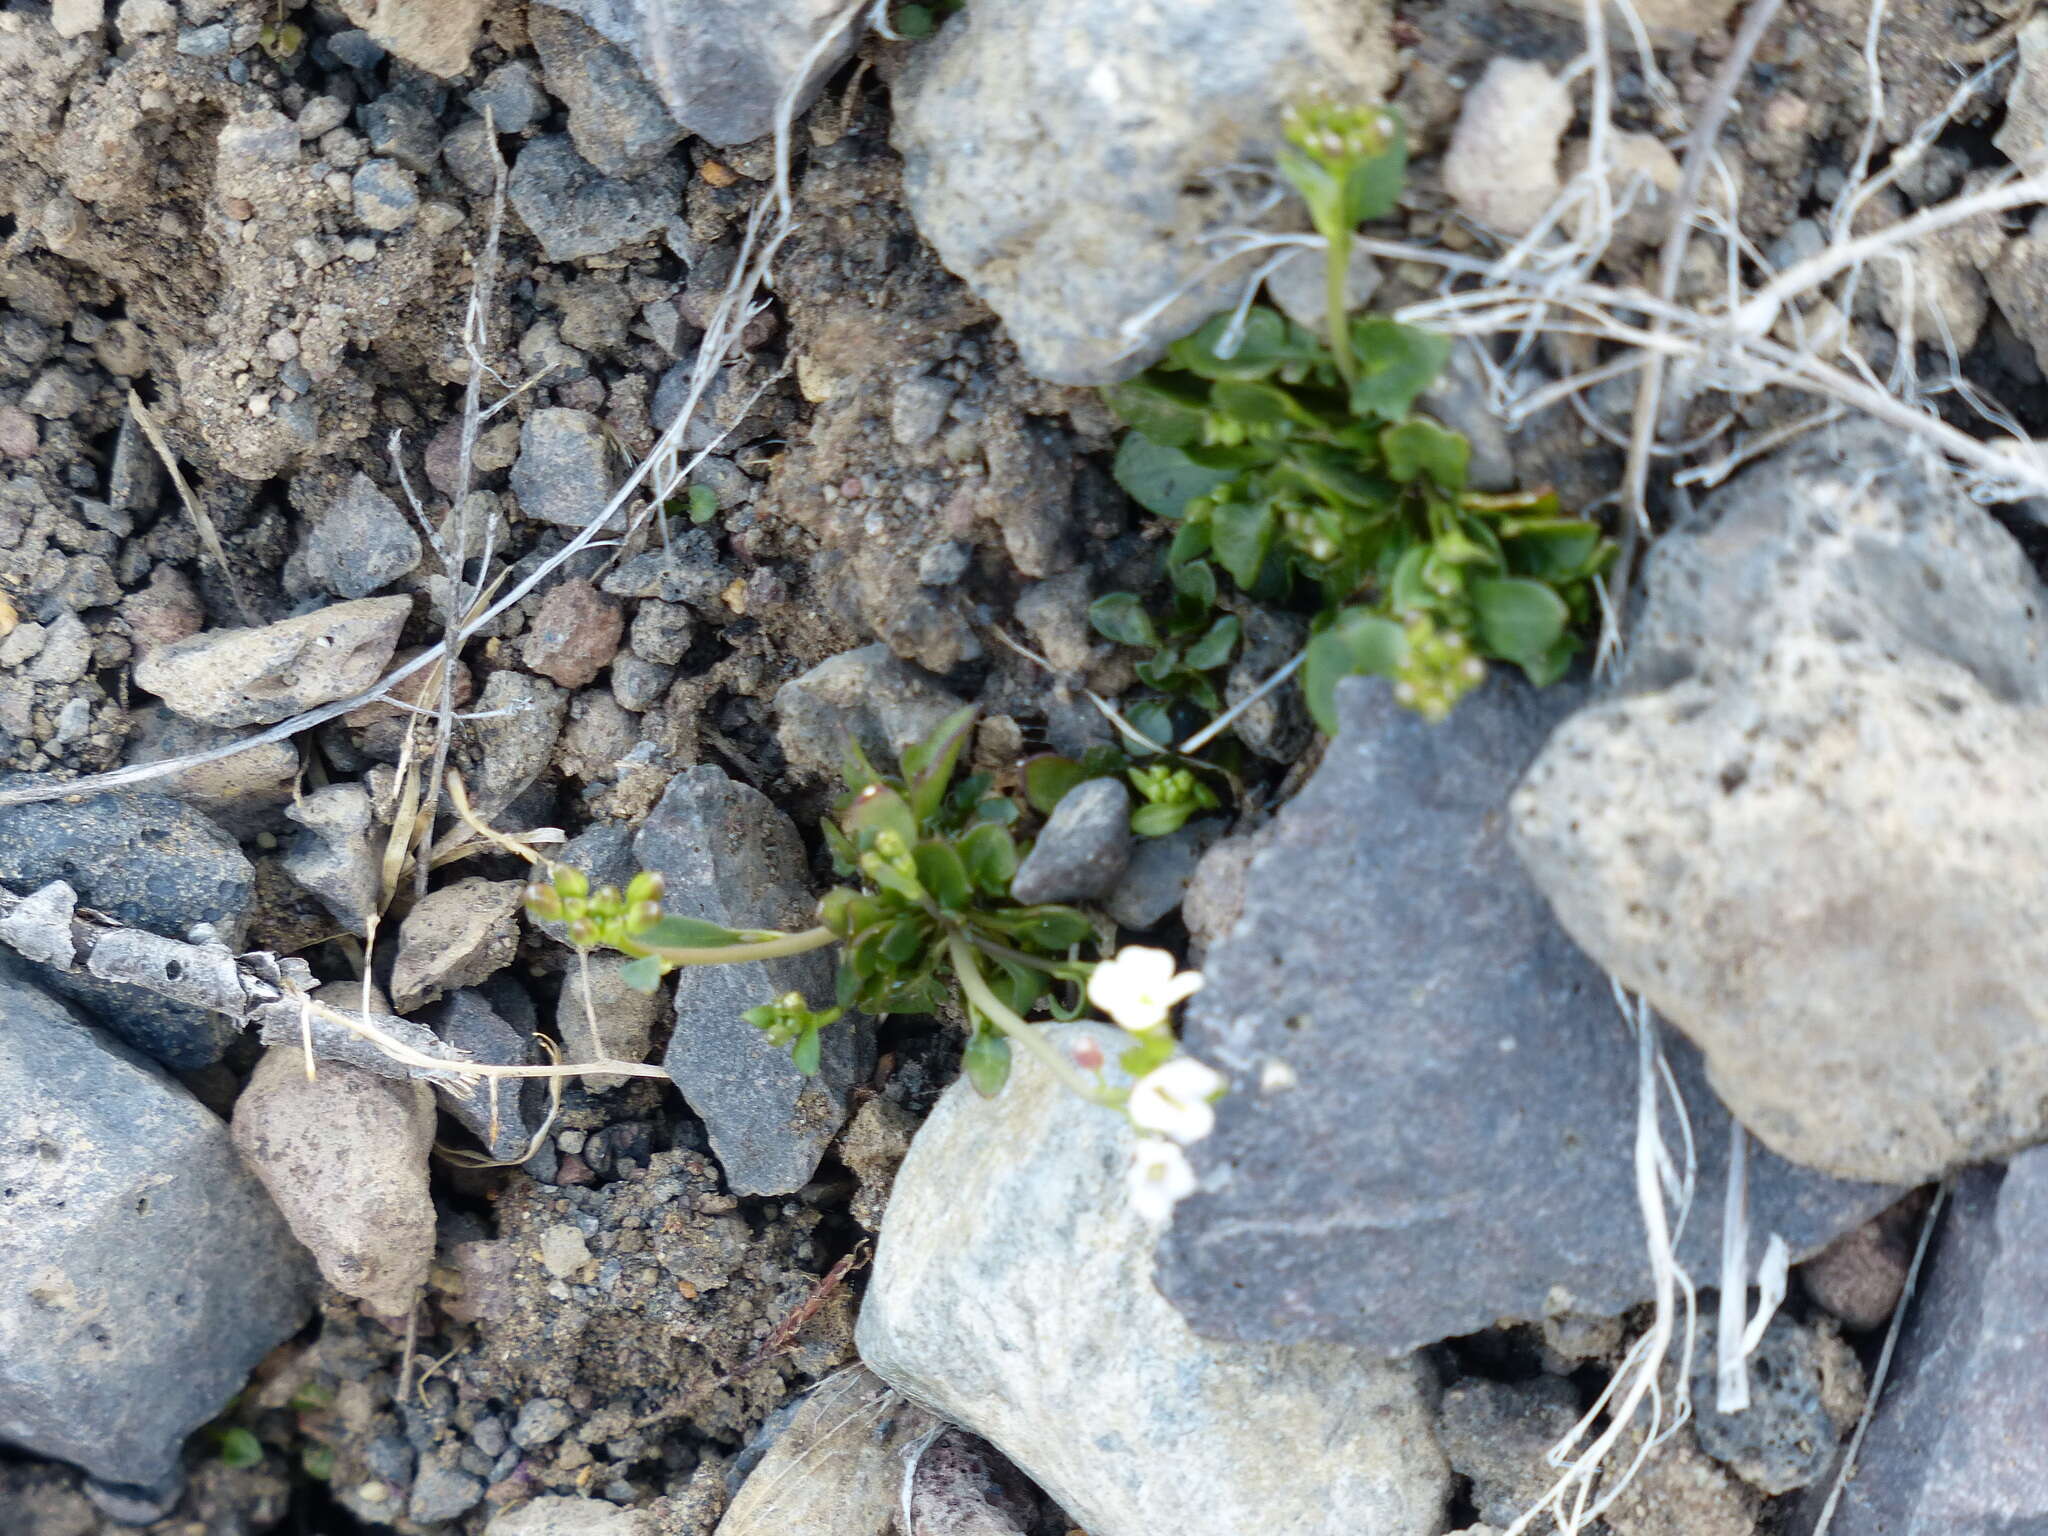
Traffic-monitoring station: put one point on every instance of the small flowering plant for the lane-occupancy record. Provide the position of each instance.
(1171, 1101)
(1294, 466)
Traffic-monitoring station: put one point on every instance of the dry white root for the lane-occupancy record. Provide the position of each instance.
(268, 992)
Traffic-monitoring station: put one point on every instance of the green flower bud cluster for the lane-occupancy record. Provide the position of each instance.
(1438, 667)
(790, 1022)
(605, 917)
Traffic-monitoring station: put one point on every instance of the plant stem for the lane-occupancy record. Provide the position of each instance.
(1000, 1014)
(733, 954)
(1337, 272)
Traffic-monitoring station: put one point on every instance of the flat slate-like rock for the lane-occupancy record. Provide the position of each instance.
(148, 861)
(730, 857)
(144, 1272)
(1444, 1135)
(1957, 1447)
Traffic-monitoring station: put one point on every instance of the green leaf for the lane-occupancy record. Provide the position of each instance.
(703, 504)
(1045, 928)
(1000, 809)
(1262, 346)
(1047, 778)
(804, 1054)
(915, 21)
(903, 940)
(643, 974)
(854, 767)
(1374, 185)
(1519, 620)
(1121, 617)
(875, 810)
(990, 856)
(1162, 479)
(1194, 580)
(929, 763)
(1164, 411)
(1243, 534)
(1214, 648)
(1158, 820)
(1152, 719)
(1395, 364)
(1418, 446)
(1260, 403)
(1334, 475)
(673, 932)
(986, 1061)
(1358, 643)
(240, 1448)
(944, 874)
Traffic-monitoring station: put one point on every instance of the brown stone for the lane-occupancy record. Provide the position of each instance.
(575, 634)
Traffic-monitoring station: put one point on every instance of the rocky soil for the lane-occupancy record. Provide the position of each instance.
(325, 325)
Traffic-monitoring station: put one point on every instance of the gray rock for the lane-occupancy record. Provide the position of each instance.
(596, 993)
(356, 49)
(2023, 137)
(1474, 1158)
(1812, 818)
(386, 194)
(919, 408)
(344, 1156)
(1499, 1433)
(514, 96)
(1084, 848)
(729, 856)
(505, 1122)
(441, 1492)
(944, 563)
(403, 128)
(724, 64)
(144, 1273)
(1458, 399)
(837, 1467)
(554, 1515)
(639, 684)
(869, 696)
(1952, 1448)
(729, 412)
(1106, 194)
(518, 744)
(455, 937)
(261, 676)
(1277, 726)
(148, 861)
(1027, 1314)
(1784, 1439)
(1501, 167)
(1158, 874)
(337, 857)
(541, 1421)
(603, 852)
(362, 543)
(689, 570)
(209, 42)
(616, 119)
(240, 793)
(574, 209)
(564, 473)
(467, 151)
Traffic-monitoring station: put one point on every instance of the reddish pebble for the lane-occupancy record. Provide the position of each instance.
(575, 635)
(19, 438)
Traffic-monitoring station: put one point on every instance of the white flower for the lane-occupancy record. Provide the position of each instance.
(1139, 987)
(1160, 1176)
(1174, 1100)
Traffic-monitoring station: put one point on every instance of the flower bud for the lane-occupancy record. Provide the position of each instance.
(646, 886)
(570, 882)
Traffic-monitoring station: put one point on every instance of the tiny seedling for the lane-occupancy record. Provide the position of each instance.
(1295, 466)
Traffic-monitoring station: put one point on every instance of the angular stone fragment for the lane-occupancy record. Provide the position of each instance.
(730, 857)
(1812, 826)
(1012, 1292)
(144, 1271)
(1397, 996)
(261, 676)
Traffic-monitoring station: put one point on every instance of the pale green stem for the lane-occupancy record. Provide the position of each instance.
(1029, 1036)
(734, 954)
